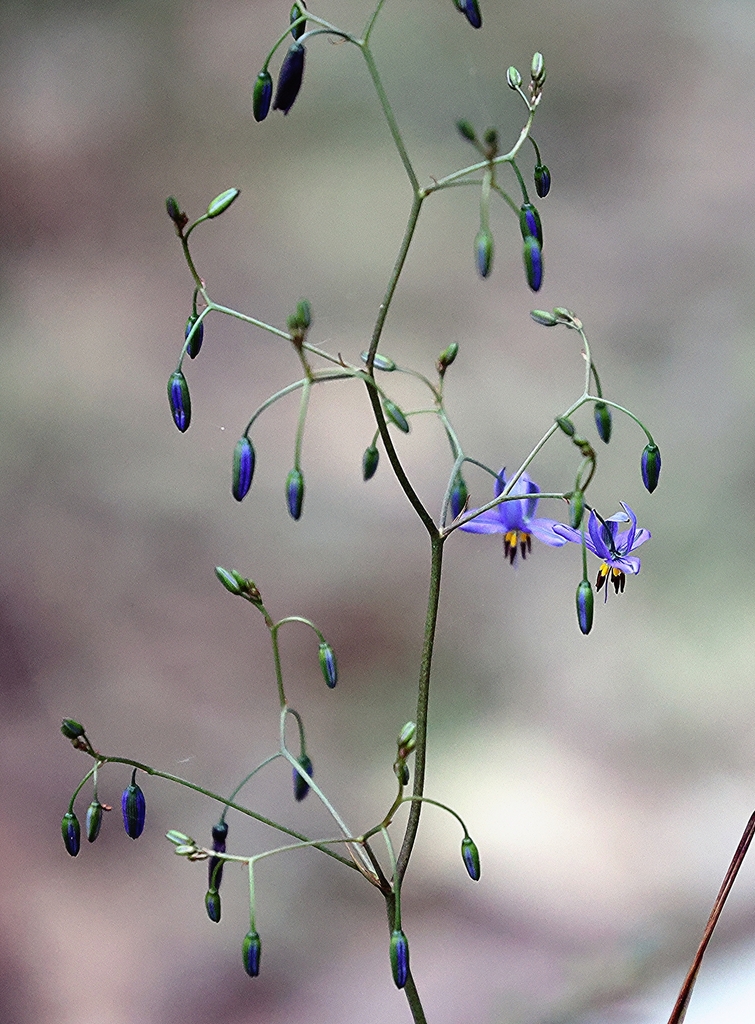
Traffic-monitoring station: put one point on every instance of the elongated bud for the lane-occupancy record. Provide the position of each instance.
(196, 338)
(650, 464)
(215, 866)
(295, 493)
(134, 808)
(298, 30)
(380, 362)
(93, 820)
(174, 210)
(395, 415)
(459, 495)
(566, 425)
(513, 78)
(471, 857)
(301, 786)
(533, 263)
(262, 94)
(71, 833)
(401, 768)
(537, 69)
(483, 249)
(180, 400)
(466, 131)
(529, 223)
(71, 729)
(212, 905)
(471, 10)
(328, 665)
(399, 953)
(584, 606)
(576, 509)
(542, 317)
(370, 461)
(243, 468)
(542, 180)
(250, 952)
(179, 838)
(603, 421)
(289, 80)
(228, 580)
(447, 356)
(407, 739)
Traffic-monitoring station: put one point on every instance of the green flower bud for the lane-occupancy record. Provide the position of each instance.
(243, 468)
(407, 739)
(180, 400)
(395, 415)
(603, 421)
(370, 461)
(576, 509)
(513, 78)
(93, 820)
(471, 857)
(540, 316)
(71, 833)
(228, 580)
(212, 905)
(250, 952)
(459, 495)
(447, 357)
(566, 425)
(533, 263)
(401, 768)
(537, 69)
(328, 665)
(298, 30)
(262, 94)
(650, 465)
(584, 606)
(71, 729)
(399, 953)
(221, 203)
(179, 838)
(466, 131)
(483, 248)
(380, 362)
(295, 493)
(196, 338)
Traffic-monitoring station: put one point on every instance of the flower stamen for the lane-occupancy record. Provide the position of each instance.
(516, 540)
(617, 577)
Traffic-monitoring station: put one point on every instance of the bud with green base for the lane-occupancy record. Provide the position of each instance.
(71, 831)
(250, 952)
(399, 954)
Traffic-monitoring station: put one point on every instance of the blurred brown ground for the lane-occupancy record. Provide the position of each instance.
(605, 780)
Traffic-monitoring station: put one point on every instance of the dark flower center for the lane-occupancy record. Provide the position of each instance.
(617, 577)
(516, 540)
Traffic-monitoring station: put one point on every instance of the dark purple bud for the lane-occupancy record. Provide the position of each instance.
(289, 80)
(328, 664)
(215, 866)
(399, 957)
(542, 180)
(134, 809)
(529, 223)
(180, 400)
(261, 95)
(212, 905)
(471, 857)
(395, 415)
(584, 606)
(650, 464)
(93, 820)
(71, 729)
(296, 12)
(483, 250)
(471, 10)
(370, 461)
(459, 495)
(295, 493)
(301, 786)
(603, 421)
(243, 468)
(466, 131)
(533, 263)
(196, 338)
(250, 952)
(71, 833)
(221, 203)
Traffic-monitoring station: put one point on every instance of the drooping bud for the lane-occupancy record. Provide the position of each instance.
(71, 729)
(533, 263)
(71, 833)
(483, 249)
(221, 203)
(134, 808)
(542, 317)
(584, 606)
(466, 131)
(401, 768)
(603, 421)
(395, 415)
(529, 223)
(399, 953)
(471, 10)
(542, 180)
(447, 357)
(370, 461)
(196, 338)
(295, 492)
(471, 857)
(250, 952)
(566, 425)
(513, 78)
(459, 495)
(650, 464)
(93, 820)
(228, 580)
(301, 786)
(289, 80)
(215, 866)
(576, 509)
(180, 400)
(298, 30)
(212, 905)
(262, 94)
(328, 665)
(243, 468)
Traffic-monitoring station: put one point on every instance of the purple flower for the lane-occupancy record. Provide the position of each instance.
(613, 546)
(516, 519)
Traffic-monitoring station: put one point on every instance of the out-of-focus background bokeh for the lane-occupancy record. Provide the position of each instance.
(606, 780)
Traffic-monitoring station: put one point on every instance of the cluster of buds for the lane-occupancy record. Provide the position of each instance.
(291, 72)
(406, 742)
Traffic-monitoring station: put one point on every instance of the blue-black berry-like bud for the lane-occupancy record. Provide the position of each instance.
(221, 203)
(134, 808)
(370, 461)
(471, 10)
(395, 415)
(71, 729)
(298, 30)
(250, 952)
(459, 496)
(533, 263)
(262, 94)
(584, 606)
(603, 421)
(399, 953)
(295, 493)
(212, 905)
(328, 664)
(215, 866)
(71, 833)
(93, 820)
(471, 857)
(529, 223)
(483, 250)
(289, 80)
(197, 337)
(243, 468)
(650, 465)
(542, 180)
(301, 786)
(180, 400)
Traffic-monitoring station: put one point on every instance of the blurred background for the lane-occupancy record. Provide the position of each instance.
(606, 779)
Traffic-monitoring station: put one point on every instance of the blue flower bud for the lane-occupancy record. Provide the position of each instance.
(93, 820)
(483, 248)
(180, 400)
(471, 10)
(250, 952)
(71, 833)
(459, 496)
(471, 857)
(533, 263)
(197, 338)
(328, 664)
(289, 80)
(650, 464)
(295, 492)
(243, 468)
(603, 421)
(134, 809)
(261, 95)
(584, 606)
(370, 461)
(215, 866)
(301, 786)
(221, 203)
(576, 509)
(529, 223)
(399, 957)
(212, 905)
(395, 415)
(299, 30)
(71, 729)
(542, 180)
